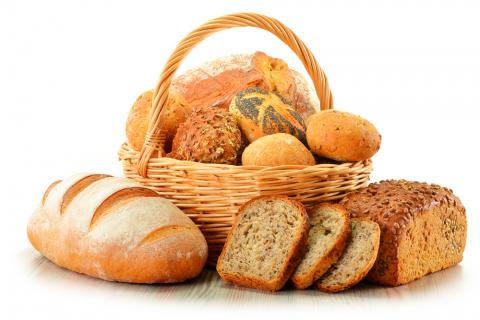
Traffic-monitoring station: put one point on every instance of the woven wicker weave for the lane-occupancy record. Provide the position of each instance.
(211, 194)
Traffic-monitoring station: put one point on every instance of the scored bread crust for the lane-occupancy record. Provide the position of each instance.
(362, 272)
(116, 229)
(294, 256)
(335, 250)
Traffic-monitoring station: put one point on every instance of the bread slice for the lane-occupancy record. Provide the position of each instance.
(357, 259)
(266, 243)
(328, 235)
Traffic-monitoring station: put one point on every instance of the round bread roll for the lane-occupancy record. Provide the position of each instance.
(342, 136)
(139, 116)
(260, 113)
(137, 121)
(276, 150)
(208, 135)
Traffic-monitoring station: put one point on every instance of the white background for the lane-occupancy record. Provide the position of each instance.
(70, 71)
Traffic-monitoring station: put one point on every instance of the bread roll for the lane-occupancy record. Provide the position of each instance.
(209, 135)
(115, 229)
(276, 150)
(214, 84)
(424, 228)
(260, 113)
(342, 136)
(139, 117)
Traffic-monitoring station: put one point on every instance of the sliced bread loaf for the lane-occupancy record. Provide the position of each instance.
(328, 235)
(357, 259)
(266, 243)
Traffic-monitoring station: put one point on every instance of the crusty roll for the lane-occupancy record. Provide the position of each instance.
(214, 83)
(276, 150)
(260, 113)
(342, 136)
(115, 229)
(209, 136)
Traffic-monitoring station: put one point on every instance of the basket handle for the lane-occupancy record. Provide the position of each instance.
(155, 137)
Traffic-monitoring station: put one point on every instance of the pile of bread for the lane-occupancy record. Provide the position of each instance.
(251, 109)
(392, 232)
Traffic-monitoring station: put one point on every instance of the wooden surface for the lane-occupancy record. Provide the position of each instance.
(209, 287)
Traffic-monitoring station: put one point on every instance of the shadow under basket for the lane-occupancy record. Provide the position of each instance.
(211, 194)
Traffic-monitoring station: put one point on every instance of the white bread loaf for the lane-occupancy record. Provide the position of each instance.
(116, 229)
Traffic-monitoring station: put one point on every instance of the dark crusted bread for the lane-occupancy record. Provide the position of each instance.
(209, 135)
(356, 260)
(328, 235)
(260, 112)
(423, 227)
(265, 243)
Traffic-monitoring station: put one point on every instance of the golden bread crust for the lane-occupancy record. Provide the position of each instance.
(342, 136)
(117, 230)
(276, 150)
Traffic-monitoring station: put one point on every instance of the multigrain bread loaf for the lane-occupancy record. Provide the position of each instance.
(328, 235)
(276, 150)
(115, 229)
(260, 113)
(424, 228)
(342, 136)
(356, 260)
(214, 83)
(209, 135)
(265, 243)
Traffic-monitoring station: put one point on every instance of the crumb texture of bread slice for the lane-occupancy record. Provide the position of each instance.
(265, 244)
(328, 235)
(357, 259)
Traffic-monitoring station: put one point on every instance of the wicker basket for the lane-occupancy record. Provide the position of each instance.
(210, 194)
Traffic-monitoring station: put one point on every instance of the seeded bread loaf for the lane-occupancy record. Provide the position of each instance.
(356, 260)
(276, 150)
(328, 235)
(115, 229)
(209, 136)
(260, 113)
(265, 243)
(214, 83)
(423, 227)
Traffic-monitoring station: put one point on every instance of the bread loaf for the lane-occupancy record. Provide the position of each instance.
(424, 228)
(265, 243)
(277, 150)
(260, 113)
(214, 84)
(115, 229)
(342, 136)
(209, 135)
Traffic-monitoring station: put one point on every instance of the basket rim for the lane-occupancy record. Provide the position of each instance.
(127, 152)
